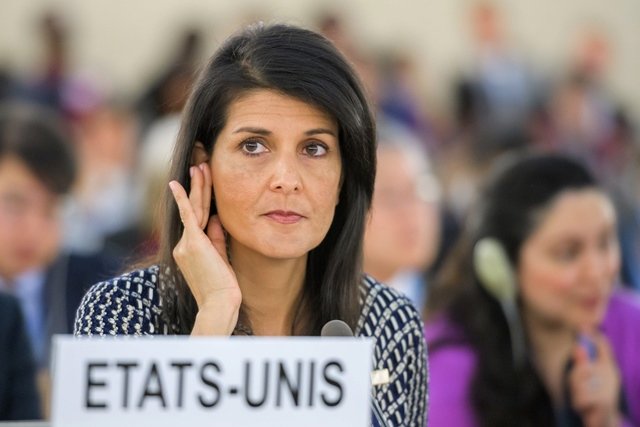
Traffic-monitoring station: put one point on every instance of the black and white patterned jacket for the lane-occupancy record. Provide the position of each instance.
(131, 305)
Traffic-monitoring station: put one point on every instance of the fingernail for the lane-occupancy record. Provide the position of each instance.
(171, 185)
(202, 166)
(191, 171)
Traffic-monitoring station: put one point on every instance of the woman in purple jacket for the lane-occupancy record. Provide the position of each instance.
(526, 326)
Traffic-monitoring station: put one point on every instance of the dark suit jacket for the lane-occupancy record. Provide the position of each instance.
(67, 280)
(18, 393)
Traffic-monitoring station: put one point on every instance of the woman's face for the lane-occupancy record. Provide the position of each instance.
(276, 170)
(570, 262)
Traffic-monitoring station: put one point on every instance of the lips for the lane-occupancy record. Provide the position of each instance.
(591, 303)
(285, 217)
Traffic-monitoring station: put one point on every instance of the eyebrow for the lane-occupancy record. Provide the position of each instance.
(265, 132)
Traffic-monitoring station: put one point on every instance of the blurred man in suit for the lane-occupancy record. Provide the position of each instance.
(37, 170)
(18, 394)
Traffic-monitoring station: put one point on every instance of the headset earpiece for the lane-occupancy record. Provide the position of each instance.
(495, 273)
(493, 269)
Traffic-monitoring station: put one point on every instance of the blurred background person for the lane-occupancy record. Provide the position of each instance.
(499, 91)
(49, 84)
(588, 123)
(334, 25)
(561, 262)
(168, 90)
(102, 201)
(493, 101)
(160, 111)
(19, 398)
(37, 170)
(401, 98)
(55, 82)
(402, 234)
(583, 112)
(140, 239)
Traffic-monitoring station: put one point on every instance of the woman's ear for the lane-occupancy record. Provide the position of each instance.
(199, 154)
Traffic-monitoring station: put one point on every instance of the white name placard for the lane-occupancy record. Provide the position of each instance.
(203, 382)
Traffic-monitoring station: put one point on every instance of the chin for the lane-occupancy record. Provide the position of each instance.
(285, 251)
(591, 321)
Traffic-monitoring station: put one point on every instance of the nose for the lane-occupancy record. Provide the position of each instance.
(596, 268)
(286, 176)
(35, 222)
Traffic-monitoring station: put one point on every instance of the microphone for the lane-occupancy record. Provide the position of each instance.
(338, 328)
(589, 346)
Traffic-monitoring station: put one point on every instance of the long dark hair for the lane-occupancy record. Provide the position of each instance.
(509, 211)
(304, 65)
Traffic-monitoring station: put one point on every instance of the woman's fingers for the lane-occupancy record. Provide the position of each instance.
(580, 354)
(188, 206)
(200, 193)
(196, 193)
(187, 214)
(207, 189)
(583, 392)
(595, 382)
(217, 237)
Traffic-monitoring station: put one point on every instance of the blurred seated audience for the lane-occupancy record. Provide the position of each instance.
(403, 231)
(538, 332)
(18, 393)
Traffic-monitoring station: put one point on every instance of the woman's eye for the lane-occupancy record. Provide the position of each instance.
(315, 150)
(252, 147)
(567, 254)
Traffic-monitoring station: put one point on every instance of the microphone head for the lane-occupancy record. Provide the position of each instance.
(336, 328)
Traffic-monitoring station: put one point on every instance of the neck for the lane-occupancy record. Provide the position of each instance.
(9, 278)
(271, 291)
(551, 345)
(7, 281)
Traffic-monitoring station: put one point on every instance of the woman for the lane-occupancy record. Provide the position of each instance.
(273, 174)
(558, 231)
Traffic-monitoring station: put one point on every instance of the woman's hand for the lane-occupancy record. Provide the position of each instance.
(595, 385)
(202, 257)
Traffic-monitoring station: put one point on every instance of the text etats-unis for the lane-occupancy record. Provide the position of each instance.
(239, 381)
